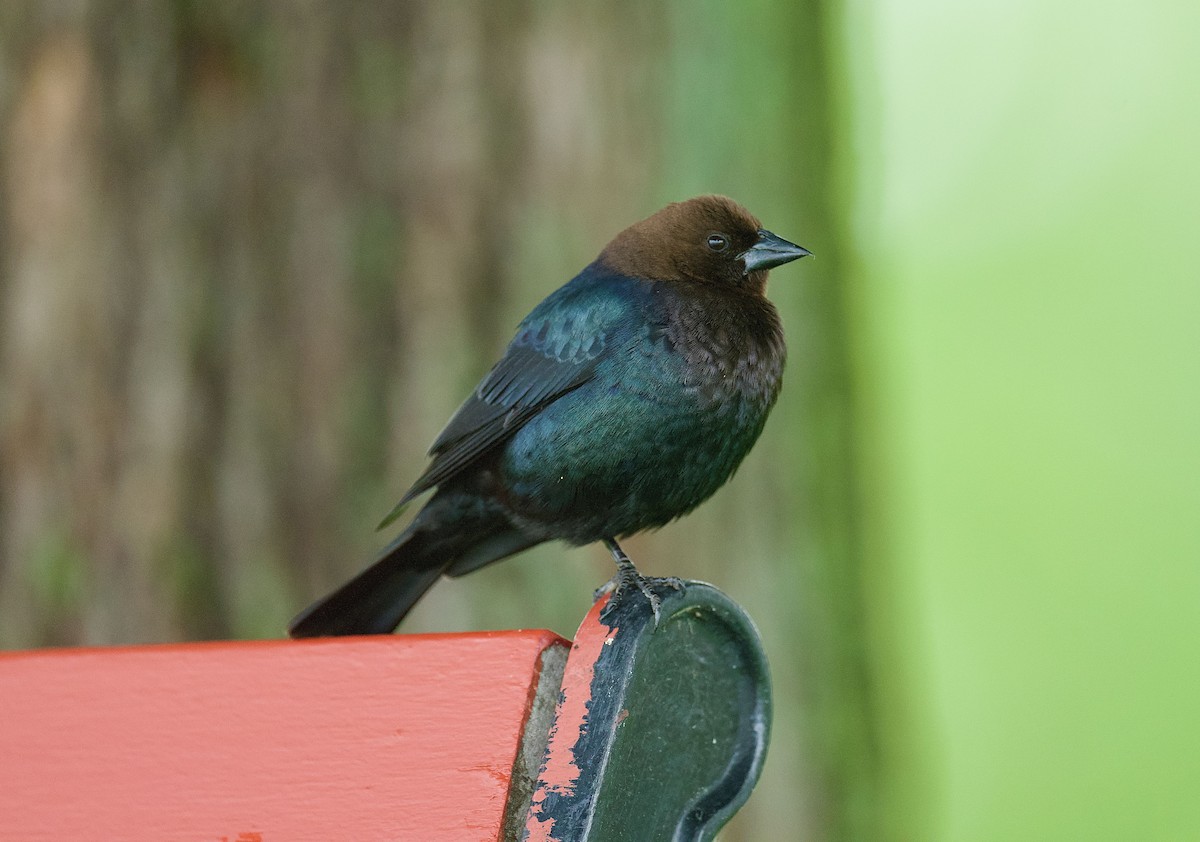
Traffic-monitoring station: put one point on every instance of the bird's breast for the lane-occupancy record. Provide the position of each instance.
(727, 351)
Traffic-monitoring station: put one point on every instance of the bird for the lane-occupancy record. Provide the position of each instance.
(627, 397)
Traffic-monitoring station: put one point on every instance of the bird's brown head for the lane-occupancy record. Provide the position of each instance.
(708, 239)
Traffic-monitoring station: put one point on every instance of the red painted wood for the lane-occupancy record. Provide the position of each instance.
(560, 773)
(371, 738)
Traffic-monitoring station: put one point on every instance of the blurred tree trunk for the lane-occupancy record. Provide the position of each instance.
(253, 255)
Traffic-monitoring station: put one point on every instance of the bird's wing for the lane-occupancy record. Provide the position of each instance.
(554, 352)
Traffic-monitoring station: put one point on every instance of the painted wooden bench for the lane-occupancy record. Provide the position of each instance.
(635, 731)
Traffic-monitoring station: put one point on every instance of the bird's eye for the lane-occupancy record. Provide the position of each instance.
(718, 242)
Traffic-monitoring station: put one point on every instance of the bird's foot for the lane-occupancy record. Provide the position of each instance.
(627, 578)
(672, 582)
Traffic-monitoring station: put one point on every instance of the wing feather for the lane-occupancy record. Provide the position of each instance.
(555, 351)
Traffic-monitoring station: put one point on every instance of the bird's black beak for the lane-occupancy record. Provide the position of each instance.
(771, 251)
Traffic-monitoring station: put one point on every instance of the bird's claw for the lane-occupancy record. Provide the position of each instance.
(627, 579)
(672, 582)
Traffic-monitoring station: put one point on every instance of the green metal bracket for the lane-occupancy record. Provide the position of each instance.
(661, 727)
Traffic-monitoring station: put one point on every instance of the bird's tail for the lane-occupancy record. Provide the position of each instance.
(452, 534)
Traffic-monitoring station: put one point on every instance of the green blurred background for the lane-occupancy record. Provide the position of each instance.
(252, 255)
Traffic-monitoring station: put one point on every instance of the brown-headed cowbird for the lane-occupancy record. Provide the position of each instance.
(625, 400)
